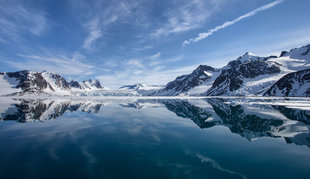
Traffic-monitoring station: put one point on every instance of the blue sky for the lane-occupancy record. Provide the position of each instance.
(148, 41)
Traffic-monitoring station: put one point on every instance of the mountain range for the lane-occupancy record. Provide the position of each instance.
(31, 83)
(248, 75)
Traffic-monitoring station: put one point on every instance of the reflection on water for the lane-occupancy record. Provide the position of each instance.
(96, 138)
(247, 120)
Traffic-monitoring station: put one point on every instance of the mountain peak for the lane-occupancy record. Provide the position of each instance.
(134, 86)
(249, 54)
(205, 68)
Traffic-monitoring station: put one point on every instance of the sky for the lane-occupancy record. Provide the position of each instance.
(144, 41)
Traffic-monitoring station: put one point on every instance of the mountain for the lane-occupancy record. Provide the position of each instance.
(201, 77)
(137, 86)
(87, 85)
(31, 82)
(139, 89)
(248, 75)
(245, 76)
(292, 84)
(253, 75)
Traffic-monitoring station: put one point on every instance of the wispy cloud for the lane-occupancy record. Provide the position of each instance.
(187, 15)
(217, 165)
(144, 48)
(204, 35)
(135, 63)
(149, 76)
(155, 56)
(17, 19)
(99, 15)
(62, 64)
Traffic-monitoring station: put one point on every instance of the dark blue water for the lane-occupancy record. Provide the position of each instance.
(193, 138)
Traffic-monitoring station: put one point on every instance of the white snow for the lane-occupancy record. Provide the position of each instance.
(252, 86)
(204, 86)
(57, 89)
(248, 57)
(8, 85)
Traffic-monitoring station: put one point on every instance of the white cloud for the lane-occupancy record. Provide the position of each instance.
(94, 33)
(187, 15)
(204, 35)
(17, 19)
(147, 76)
(99, 15)
(155, 56)
(217, 165)
(135, 63)
(144, 48)
(61, 64)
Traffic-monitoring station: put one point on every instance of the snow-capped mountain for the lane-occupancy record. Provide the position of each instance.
(31, 82)
(252, 75)
(87, 85)
(139, 88)
(248, 75)
(245, 76)
(195, 83)
(136, 86)
(292, 84)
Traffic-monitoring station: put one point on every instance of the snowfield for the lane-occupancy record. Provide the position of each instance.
(8, 85)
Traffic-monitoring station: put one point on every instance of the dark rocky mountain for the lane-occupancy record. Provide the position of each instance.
(75, 84)
(28, 81)
(292, 84)
(184, 83)
(248, 75)
(92, 83)
(55, 80)
(31, 82)
(234, 75)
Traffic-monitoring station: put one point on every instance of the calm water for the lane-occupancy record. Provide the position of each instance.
(145, 138)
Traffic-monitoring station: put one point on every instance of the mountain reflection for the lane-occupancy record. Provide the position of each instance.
(248, 118)
(29, 110)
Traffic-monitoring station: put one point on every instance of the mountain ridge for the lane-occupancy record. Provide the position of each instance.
(248, 75)
(32, 82)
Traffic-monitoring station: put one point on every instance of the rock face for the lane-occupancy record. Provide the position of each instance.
(31, 82)
(292, 84)
(184, 83)
(234, 75)
(91, 84)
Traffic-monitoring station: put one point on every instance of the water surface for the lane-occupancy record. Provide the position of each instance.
(155, 138)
